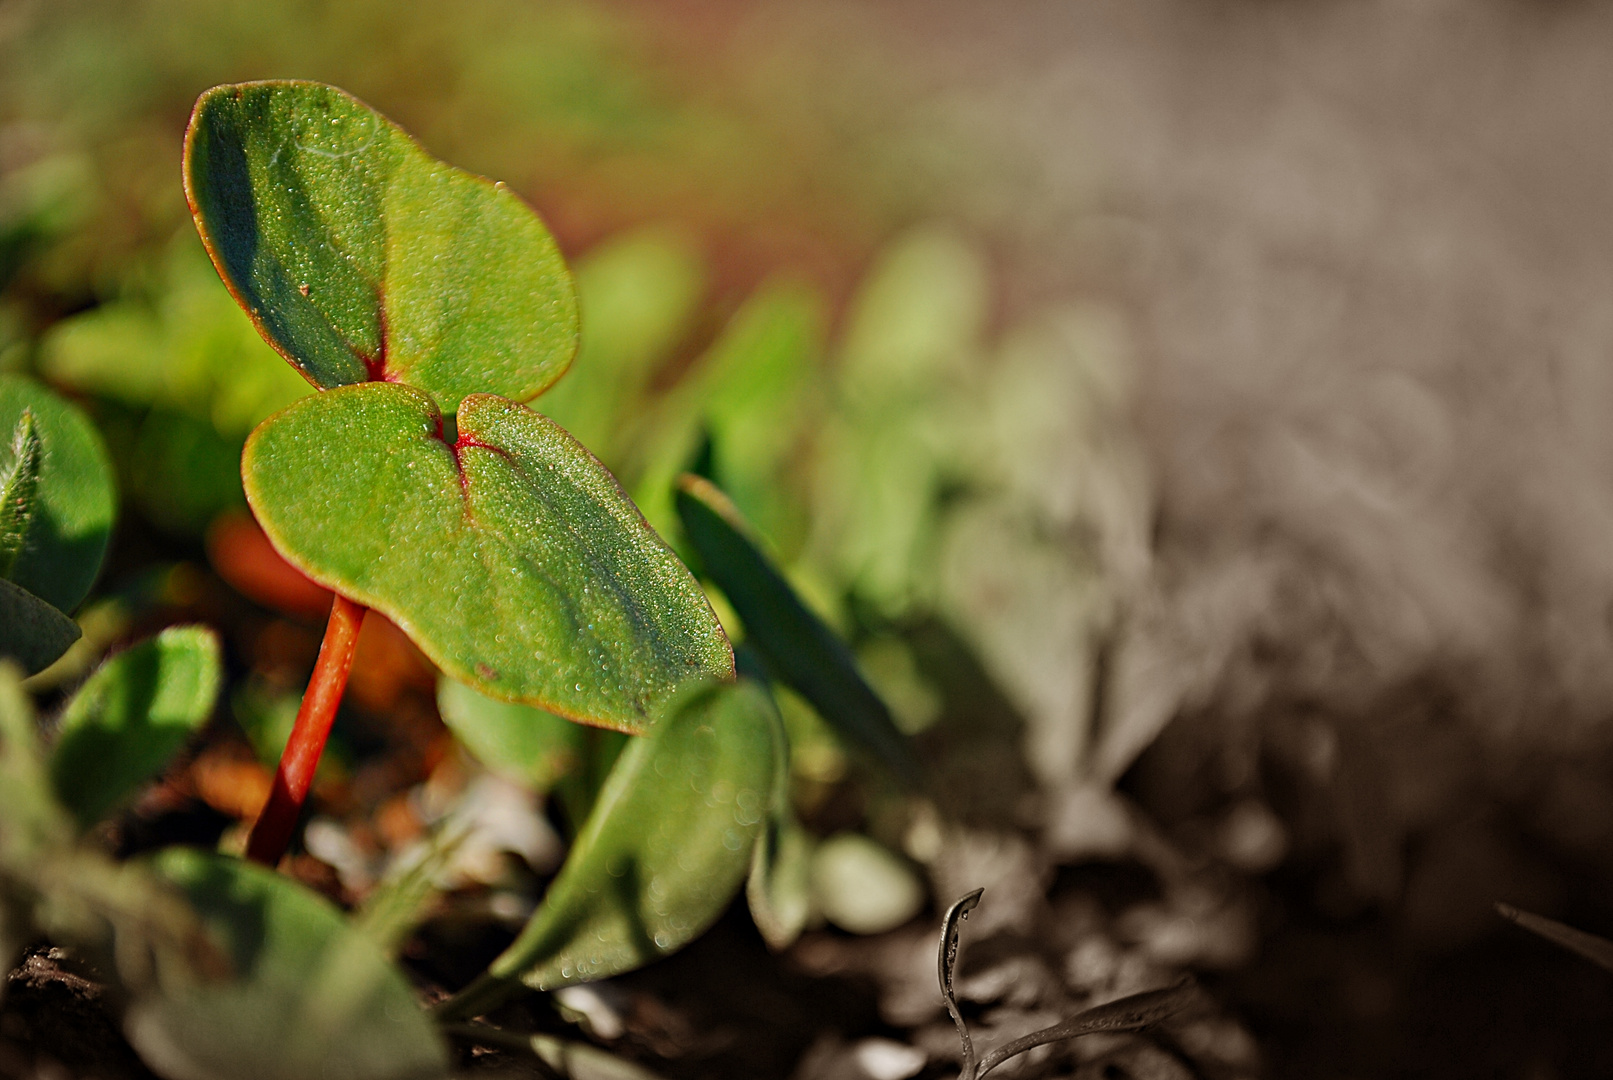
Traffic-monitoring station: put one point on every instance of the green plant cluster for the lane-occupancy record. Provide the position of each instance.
(483, 529)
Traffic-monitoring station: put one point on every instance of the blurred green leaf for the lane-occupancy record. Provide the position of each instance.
(188, 349)
(115, 350)
(668, 843)
(862, 886)
(31, 631)
(311, 996)
(28, 812)
(51, 884)
(1034, 610)
(767, 390)
(779, 889)
(880, 479)
(131, 716)
(799, 649)
(918, 315)
(361, 257)
(39, 201)
(638, 295)
(522, 742)
(511, 558)
(182, 473)
(266, 715)
(753, 395)
(902, 430)
(73, 503)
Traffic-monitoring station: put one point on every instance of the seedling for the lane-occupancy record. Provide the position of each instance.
(1135, 1013)
(429, 305)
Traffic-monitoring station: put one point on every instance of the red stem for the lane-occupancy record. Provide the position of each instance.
(272, 833)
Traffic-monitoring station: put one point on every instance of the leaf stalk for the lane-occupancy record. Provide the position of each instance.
(272, 833)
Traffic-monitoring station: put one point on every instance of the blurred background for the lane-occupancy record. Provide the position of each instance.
(1196, 414)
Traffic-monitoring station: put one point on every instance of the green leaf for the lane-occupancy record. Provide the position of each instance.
(512, 558)
(119, 913)
(639, 295)
(779, 890)
(532, 746)
(31, 631)
(754, 393)
(131, 716)
(19, 479)
(33, 823)
(527, 744)
(668, 844)
(362, 257)
(799, 649)
(73, 501)
(311, 996)
(187, 348)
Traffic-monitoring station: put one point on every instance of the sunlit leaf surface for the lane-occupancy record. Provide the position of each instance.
(360, 256)
(511, 556)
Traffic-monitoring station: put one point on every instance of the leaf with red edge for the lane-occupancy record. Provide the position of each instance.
(361, 257)
(510, 556)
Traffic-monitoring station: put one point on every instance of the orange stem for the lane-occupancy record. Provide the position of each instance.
(272, 833)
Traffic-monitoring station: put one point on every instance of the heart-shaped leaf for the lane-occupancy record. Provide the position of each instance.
(311, 996)
(130, 717)
(71, 502)
(799, 649)
(667, 845)
(31, 631)
(360, 256)
(511, 557)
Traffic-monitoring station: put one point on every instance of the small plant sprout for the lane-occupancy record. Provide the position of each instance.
(429, 305)
(1136, 1013)
(578, 654)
